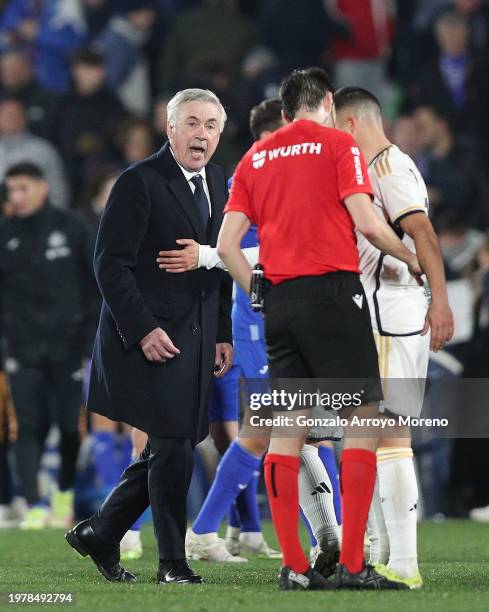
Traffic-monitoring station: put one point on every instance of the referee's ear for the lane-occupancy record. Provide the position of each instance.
(328, 102)
(286, 118)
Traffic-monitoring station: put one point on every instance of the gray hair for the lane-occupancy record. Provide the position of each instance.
(193, 95)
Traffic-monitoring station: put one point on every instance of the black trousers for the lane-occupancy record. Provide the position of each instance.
(42, 395)
(160, 477)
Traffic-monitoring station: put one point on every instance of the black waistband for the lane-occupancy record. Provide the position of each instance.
(310, 285)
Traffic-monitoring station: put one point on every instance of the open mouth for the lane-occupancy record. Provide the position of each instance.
(198, 149)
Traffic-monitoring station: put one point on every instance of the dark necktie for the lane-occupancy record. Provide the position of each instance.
(201, 199)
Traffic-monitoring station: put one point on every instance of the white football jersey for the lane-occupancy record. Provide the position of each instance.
(397, 303)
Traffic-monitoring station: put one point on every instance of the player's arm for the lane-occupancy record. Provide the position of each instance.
(439, 317)
(194, 255)
(208, 257)
(234, 227)
(376, 231)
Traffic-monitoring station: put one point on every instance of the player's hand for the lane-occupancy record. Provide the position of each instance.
(439, 319)
(139, 440)
(180, 261)
(158, 347)
(415, 270)
(224, 359)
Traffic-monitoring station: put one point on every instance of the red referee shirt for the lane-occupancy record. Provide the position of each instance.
(292, 185)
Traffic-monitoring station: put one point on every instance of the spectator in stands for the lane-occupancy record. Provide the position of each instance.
(97, 15)
(96, 195)
(261, 69)
(456, 80)
(214, 33)
(159, 117)
(361, 57)
(88, 117)
(54, 29)
(136, 140)
(298, 32)
(404, 134)
(448, 168)
(18, 144)
(122, 46)
(17, 81)
(477, 13)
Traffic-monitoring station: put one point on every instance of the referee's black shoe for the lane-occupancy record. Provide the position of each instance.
(327, 562)
(368, 578)
(309, 581)
(83, 539)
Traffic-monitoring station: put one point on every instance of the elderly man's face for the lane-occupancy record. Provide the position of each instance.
(195, 135)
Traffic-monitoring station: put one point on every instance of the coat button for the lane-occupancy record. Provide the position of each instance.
(194, 328)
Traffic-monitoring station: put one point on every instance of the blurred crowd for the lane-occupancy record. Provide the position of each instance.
(84, 86)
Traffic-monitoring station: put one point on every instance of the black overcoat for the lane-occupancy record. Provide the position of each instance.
(150, 207)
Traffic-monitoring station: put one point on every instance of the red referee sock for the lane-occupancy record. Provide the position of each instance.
(281, 478)
(357, 481)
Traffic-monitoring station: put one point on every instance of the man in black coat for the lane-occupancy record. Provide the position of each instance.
(160, 335)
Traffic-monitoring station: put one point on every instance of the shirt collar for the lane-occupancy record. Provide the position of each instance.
(189, 175)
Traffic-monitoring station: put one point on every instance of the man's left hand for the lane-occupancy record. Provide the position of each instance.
(224, 359)
(180, 261)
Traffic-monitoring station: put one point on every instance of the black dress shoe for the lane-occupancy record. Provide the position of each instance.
(177, 572)
(83, 539)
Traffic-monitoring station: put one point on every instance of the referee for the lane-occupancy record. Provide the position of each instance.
(306, 187)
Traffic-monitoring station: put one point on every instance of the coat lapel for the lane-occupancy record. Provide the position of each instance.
(180, 188)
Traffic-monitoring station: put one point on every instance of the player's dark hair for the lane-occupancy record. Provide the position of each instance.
(356, 97)
(265, 116)
(25, 169)
(304, 89)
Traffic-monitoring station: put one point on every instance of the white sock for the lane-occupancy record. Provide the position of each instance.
(316, 498)
(398, 491)
(377, 534)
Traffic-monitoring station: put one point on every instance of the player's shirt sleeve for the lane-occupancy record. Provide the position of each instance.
(351, 169)
(402, 193)
(239, 198)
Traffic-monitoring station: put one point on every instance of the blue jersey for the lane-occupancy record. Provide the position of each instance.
(247, 325)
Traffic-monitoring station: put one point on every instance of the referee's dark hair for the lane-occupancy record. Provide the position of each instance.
(25, 169)
(266, 116)
(304, 89)
(357, 98)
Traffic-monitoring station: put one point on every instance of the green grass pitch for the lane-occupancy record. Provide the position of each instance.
(454, 562)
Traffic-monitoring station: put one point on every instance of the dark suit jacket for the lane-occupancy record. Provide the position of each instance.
(150, 207)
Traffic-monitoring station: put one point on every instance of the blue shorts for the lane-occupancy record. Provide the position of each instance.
(250, 361)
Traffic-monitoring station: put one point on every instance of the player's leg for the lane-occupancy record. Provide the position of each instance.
(67, 394)
(104, 450)
(131, 545)
(327, 455)
(405, 365)
(29, 396)
(253, 363)
(233, 473)
(316, 502)
(398, 492)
